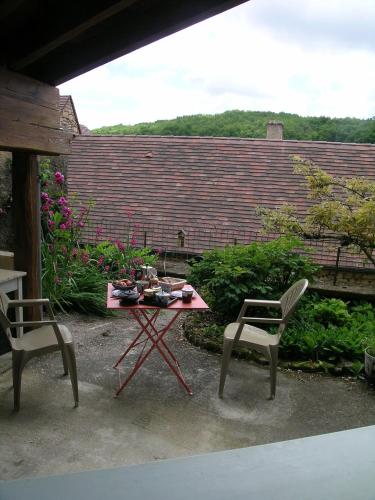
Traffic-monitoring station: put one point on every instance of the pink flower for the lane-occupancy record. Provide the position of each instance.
(138, 261)
(63, 227)
(62, 201)
(59, 178)
(101, 260)
(74, 252)
(99, 230)
(80, 224)
(44, 196)
(133, 241)
(45, 208)
(106, 269)
(85, 257)
(51, 225)
(119, 245)
(132, 273)
(122, 270)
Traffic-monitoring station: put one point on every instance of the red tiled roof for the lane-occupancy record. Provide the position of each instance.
(209, 187)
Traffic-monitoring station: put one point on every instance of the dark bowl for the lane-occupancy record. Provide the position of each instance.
(118, 286)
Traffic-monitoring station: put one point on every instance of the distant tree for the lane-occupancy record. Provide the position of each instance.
(343, 210)
(253, 124)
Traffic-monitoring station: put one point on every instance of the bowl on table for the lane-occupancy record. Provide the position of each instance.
(124, 285)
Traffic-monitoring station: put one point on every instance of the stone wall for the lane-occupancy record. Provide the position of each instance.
(358, 279)
(6, 233)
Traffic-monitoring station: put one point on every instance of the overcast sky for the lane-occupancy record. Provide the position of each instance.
(311, 57)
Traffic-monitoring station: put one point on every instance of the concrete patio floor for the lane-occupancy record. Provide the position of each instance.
(154, 418)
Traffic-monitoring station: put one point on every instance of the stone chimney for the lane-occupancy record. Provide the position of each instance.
(275, 131)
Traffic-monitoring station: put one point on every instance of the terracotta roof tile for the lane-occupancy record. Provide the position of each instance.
(208, 186)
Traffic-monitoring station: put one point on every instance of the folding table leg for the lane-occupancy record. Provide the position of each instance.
(155, 336)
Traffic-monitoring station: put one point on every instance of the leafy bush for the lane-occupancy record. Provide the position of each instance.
(227, 276)
(343, 338)
(330, 312)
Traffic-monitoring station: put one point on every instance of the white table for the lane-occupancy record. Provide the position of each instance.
(11, 281)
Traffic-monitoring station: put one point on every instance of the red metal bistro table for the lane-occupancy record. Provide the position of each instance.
(150, 336)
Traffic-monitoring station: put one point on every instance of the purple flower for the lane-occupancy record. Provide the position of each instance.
(67, 212)
(44, 196)
(85, 257)
(138, 261)
(62, 201)
(59, 178)
(133, 241)
(63, 226)
(99, 230)
(119, 245)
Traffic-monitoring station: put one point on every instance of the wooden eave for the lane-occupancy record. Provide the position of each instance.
(54, 45)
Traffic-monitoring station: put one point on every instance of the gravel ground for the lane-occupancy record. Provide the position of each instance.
(154, 418)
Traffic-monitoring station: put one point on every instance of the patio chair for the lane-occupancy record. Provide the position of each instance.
(46, 336)
(257, 339)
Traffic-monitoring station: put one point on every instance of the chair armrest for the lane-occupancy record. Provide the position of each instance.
(262, 303)
(275, 321)
(15, 324)
(27, 302)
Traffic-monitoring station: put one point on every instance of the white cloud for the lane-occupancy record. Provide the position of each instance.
(262, 55)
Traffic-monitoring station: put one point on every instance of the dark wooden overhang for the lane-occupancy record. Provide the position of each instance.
(54, 42)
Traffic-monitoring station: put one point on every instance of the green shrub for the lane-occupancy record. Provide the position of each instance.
(330, 311)
(227, 276)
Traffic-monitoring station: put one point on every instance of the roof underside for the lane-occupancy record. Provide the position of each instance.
(53, 45)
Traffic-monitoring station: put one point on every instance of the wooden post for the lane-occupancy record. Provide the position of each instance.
(26, 213)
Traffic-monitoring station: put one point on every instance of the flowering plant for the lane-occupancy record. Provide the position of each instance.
(75, 275)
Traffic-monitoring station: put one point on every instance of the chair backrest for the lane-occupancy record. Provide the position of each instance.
(4, 321)
(291, 297)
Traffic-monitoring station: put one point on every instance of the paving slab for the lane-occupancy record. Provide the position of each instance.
(154, 418)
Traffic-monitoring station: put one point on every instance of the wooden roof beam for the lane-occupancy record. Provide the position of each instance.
(30, 117)
(20, 64)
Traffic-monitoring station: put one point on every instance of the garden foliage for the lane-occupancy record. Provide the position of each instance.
(75, 274)
(323, 334)
(227, 276)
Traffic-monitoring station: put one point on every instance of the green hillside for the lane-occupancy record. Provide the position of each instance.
(253, 124)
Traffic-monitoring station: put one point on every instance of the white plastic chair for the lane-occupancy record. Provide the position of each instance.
(46, 336)
(255, 338)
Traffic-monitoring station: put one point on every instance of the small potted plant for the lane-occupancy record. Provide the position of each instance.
(370, 360)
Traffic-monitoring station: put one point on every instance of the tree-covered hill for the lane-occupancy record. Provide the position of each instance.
(253, 124)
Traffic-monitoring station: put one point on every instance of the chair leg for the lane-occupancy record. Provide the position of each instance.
(274, 356)
(71, 360)
(65, 362)
(227, 351)
(17, 366)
